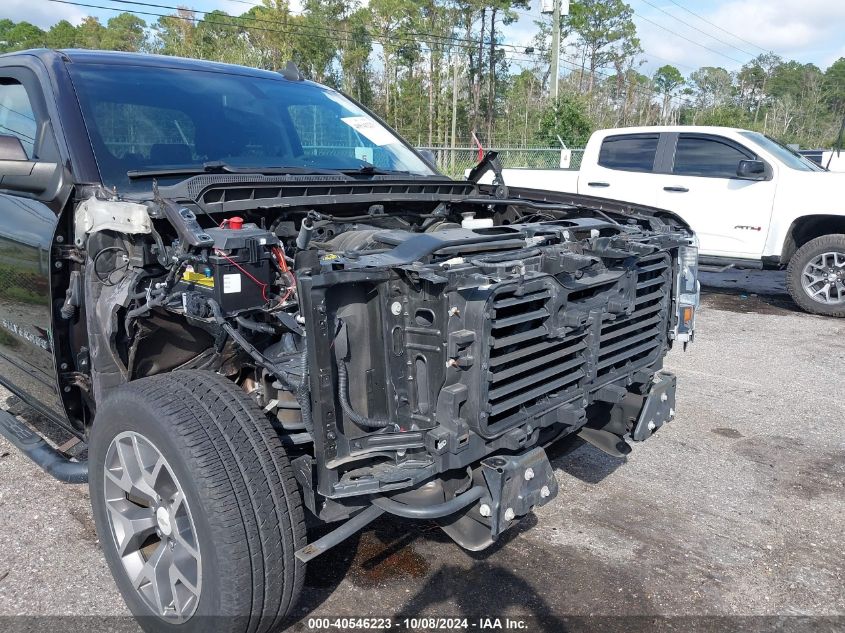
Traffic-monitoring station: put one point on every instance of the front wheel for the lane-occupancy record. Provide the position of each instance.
(196, 506)
(815, 276)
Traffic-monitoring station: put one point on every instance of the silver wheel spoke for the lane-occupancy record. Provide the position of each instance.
(131, 525)
(183, 584)
(128, 474)
(152, 528)
(824, 289)
(153, 581)
(183, 537)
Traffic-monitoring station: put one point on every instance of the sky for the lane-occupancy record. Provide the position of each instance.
(808, 31)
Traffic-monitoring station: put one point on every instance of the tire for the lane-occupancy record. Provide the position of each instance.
(227, 514)
(797, 282)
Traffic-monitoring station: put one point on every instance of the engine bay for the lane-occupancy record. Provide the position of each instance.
(389, 342)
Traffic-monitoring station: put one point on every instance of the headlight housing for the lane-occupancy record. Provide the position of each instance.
(688, 292)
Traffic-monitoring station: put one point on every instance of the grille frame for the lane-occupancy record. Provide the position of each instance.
(543, 344)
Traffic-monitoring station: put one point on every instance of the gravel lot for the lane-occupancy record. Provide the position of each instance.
(737, 508)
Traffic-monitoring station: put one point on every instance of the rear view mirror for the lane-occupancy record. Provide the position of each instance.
(18, 173)
(428, 155)
(751, 170)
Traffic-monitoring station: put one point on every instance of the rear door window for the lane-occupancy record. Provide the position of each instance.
(629, 152)
(707, 156)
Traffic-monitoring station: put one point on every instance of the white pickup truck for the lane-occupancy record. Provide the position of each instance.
(753, 202)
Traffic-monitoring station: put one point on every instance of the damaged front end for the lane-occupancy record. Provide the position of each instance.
(415, 354)
(436, 351)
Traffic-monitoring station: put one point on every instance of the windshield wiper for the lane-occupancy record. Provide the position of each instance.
(219, 167)
(368, 169)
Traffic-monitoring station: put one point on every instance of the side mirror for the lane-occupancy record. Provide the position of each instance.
(751, 170)
(18, 173)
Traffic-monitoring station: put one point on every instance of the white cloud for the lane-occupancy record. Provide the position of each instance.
(834, 56)
(41, 14)
(807, 31)
(783, 26)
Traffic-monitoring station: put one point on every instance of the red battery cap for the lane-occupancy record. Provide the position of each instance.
(236, 223)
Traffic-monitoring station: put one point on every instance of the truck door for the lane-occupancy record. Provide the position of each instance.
(730, 215)
(27, 226)
(624, 169)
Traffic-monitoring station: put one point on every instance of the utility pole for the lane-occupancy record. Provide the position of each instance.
(455, 64)
(560, 7)
(555, 48)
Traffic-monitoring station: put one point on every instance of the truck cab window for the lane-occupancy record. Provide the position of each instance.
(133, 132)
(16, 114)
(698, 156)
(147, 118)
(322, 133)
(633, 152)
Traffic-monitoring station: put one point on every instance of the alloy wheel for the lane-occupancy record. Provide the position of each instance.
(152, 527)
(823, 278)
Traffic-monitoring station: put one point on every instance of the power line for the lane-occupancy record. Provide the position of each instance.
(448, 41)
(247, 3)
(20, 114)
(454, 41)
(668, 61)
(695, 28)
(17, 133)
(691, 41)
(408, 36)
(240, 22)
(574, 65)
(703, 19)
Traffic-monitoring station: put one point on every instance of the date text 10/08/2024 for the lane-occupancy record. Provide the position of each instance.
(418, 624)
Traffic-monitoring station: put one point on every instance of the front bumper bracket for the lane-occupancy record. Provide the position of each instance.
(658, 408)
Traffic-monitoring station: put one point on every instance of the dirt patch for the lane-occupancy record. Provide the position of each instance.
(381, 558)
(88, 532)
(726, 432)
(745, 303)
(823, 475)
(796, 468)
(384, 553)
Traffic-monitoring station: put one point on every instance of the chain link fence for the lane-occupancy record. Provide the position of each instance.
(454, 161)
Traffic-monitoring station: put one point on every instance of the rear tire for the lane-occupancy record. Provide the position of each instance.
(815, 276)
(189, 479)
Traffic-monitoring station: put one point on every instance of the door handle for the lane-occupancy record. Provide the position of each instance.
(676, 189)
(598, 184)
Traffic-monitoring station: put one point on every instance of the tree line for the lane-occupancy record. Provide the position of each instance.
(442, 73)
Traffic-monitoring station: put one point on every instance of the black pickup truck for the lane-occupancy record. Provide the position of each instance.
(259, 309)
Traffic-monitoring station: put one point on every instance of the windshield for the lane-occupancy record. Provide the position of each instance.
(150, 119)
(791, 159)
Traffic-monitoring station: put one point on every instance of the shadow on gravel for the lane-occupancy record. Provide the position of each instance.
(387, 555)
(486, 590)
(748, 292)
(583, 461)
(748, 303)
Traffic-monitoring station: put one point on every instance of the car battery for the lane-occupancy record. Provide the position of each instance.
(238, 272)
